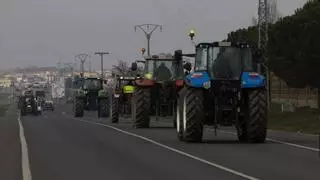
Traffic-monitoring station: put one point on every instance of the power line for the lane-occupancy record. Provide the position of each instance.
(82, 58)
(148, 29)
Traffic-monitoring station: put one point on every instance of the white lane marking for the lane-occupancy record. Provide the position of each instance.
(26, 173)
(280, 142)
(174, 150)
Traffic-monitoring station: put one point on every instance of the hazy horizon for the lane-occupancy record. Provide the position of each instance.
(42, 32)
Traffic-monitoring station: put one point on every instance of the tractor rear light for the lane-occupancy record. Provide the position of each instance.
(179, 83)
(253, 75)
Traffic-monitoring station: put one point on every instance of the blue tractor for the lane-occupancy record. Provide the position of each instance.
(224, 90)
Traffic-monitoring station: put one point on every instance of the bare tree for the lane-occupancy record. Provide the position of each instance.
(274, 14)
(122, 68)
(254, 21)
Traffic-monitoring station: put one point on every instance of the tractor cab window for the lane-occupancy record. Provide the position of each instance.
(125, 82)
(201, 59)
(92, 84)
(228, 62)
(247, 61)
(162, 70)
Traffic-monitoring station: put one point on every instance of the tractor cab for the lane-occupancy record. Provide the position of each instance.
(91, 87)
(224, 90)
(122, 97)
(162, 69)
(157, 88)
(125, 85)
(225, 61)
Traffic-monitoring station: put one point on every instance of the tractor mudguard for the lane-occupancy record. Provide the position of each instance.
(252, 80)
(102, 93)
(198, 80)
(144, 82)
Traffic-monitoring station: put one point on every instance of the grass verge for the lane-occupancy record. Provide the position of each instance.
(304, 120)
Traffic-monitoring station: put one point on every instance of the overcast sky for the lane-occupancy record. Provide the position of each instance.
(40, 32)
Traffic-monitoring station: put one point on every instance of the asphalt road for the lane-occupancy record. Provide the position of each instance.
(62, 147)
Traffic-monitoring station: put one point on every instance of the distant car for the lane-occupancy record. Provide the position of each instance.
(48, 105)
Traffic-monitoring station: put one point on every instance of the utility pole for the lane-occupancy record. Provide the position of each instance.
(101, 54)
(263, 20)
(82, 58)
(148, 29)
(90, 69)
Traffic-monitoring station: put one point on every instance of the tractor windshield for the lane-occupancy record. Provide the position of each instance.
(92, 84)
(122, 83)
(228, 62)
(163, 70)
(201, 59)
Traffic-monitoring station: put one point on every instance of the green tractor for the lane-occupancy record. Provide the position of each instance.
(122, 97)
(90, 96)
(156, 90)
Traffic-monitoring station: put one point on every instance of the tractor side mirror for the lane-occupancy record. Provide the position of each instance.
(178, 56)
(134, 66)
(187, 66)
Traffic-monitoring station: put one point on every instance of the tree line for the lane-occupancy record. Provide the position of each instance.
(293, 48)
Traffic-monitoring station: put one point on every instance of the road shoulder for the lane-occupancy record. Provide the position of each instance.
(10, 153)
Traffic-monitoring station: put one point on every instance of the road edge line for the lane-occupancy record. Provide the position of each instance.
(234, 172)
(25, 163)
(280, 142)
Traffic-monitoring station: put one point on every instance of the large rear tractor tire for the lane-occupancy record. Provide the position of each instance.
(178, 118)
(115, 110)
(78, 108)
(253, 125)
(104, 107)
(175, 114)
(191, 102)
(141, 107)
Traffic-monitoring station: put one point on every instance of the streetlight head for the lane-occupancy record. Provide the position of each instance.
(192, 33)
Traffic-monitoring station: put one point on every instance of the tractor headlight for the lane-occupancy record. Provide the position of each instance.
(206, 85)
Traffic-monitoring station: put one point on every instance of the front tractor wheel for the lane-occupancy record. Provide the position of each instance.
(103, 107)
(253, 125)
(191, 103)
(78, 108)
(115, 110)
(141, 107)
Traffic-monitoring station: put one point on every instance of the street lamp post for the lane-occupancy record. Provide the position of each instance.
(101, 54)
(148, 29)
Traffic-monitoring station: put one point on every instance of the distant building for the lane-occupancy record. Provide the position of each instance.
(5, 82)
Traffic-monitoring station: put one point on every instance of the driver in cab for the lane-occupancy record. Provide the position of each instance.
(163, 73)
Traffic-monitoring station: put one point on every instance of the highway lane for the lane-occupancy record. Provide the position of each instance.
(266, 161)
(62, 148)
